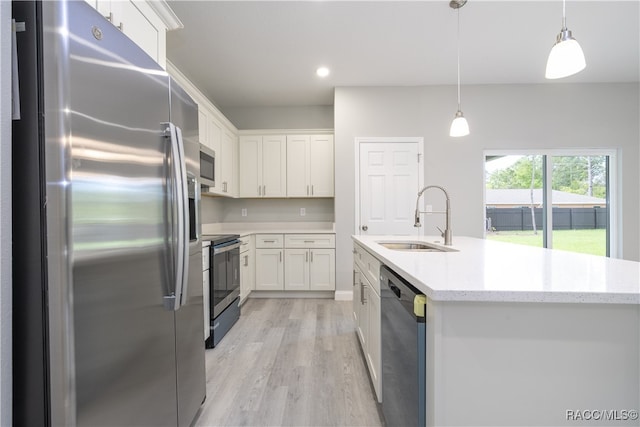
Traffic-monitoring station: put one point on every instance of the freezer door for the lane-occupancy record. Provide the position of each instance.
(191, 379)
(115, 160)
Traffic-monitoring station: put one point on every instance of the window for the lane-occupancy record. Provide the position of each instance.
(554, 199)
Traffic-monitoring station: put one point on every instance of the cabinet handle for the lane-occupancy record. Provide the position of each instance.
(259, 190)
(269, 241)
(307, 190)
(311, 256)
(309, 241)
(224, 186)
(354, 277)
(306, 257)
(280, 256)
(264, 190)
(362, 300)
(246, 260)
(121, 27)
(312, 190)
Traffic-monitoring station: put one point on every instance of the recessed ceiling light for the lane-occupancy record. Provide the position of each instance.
(322, 72)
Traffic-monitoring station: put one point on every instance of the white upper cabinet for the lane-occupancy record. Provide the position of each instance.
(144, 22)
(250, 177)
(297, 166)
(262, 166)
(321, 165)
(227, 168)
(223, 142)
(310, 168)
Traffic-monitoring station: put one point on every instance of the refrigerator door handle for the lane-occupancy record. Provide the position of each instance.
(180, 232)
(183, 224)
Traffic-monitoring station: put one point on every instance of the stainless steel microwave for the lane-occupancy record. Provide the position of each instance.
(207, 166)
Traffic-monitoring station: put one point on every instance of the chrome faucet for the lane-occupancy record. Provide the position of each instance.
(447, 234)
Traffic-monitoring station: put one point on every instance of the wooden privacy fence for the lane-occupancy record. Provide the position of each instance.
(512, 219)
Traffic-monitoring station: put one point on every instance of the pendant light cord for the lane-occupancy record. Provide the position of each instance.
(564, 15)
(458, 42)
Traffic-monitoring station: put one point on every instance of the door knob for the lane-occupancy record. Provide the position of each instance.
(364, 228)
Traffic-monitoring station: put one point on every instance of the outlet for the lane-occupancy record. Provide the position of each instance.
(303, 211)
(244, 212)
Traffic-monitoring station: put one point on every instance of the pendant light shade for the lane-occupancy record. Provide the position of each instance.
(459, 126)
(566, 57)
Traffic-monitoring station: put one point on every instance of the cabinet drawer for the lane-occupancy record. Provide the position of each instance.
(266, 241)
(245, 243)
(369, 265)
(322, 241)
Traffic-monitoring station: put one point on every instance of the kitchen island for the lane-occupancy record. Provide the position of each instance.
(519, 335)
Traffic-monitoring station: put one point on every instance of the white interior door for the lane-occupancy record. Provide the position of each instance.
(389, 184)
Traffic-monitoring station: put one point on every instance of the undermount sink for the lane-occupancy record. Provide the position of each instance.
(414, 247)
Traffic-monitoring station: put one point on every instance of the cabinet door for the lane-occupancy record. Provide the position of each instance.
(245, 276)
(298, 166)
(274, 161)
(296, 269)
(356, 295)
(203, 121)
(250, 165)
(206, 301)
(363, 323)
(373, 348)
(214, 135)
(140, 29)
(322, 269)
(269, 270)
(226, 163)
(321, 165)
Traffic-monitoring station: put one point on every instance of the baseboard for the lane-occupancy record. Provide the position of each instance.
(344, 296)
(291, 294)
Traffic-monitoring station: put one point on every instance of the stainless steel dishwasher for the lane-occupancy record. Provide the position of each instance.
(403, 313)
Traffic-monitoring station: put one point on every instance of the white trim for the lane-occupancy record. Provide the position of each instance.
(291, 294)
(383, 139)
(200, 98)
(166, 14)
(344, 296)
(285, 132)
(615, 178)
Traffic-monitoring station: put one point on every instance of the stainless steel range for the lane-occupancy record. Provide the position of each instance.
(224, 285)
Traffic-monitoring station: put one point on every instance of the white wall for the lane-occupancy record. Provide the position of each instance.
(553, 115)
(5, 214)
(306, 117)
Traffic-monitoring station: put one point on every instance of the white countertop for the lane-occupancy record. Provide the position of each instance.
(484, 270)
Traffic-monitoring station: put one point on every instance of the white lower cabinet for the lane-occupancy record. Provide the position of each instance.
(295, 262)
(269, 270)
(247, 267)
(309, 269)
(366, 313)
(205, 288)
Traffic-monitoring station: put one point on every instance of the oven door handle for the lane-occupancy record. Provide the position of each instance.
(223, 249)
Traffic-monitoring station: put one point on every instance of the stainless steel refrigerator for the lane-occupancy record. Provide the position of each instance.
(107, 289)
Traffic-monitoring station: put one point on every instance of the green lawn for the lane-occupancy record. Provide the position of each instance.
(584, 241)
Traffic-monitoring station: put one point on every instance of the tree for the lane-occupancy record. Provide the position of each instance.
(584, 175)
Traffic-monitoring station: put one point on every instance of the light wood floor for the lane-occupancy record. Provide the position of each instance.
(289, 362)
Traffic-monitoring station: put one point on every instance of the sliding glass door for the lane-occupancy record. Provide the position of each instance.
(552, 200)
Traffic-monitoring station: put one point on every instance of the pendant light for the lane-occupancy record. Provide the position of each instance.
(459, 126)
(566, 57)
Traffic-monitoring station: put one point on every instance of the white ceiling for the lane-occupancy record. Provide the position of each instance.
(265, 53)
